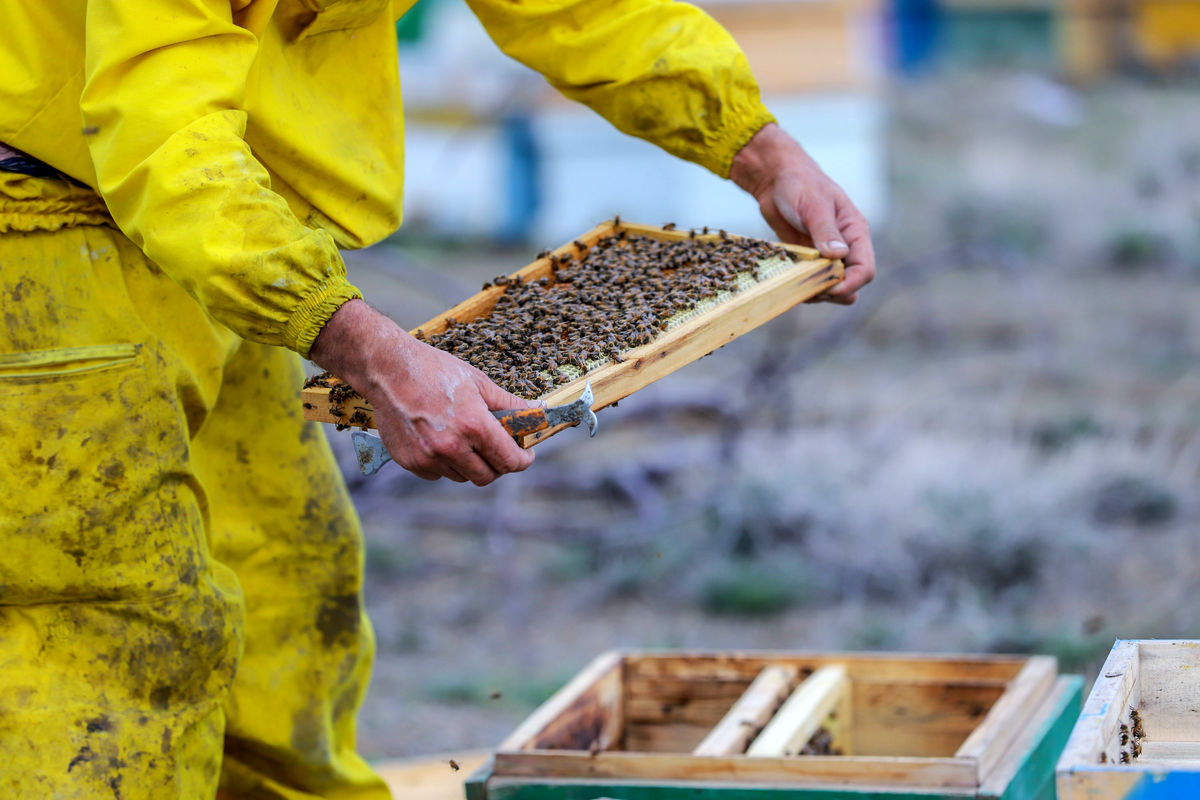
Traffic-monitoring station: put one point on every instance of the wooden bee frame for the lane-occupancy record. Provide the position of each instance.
(640, 366)
(645, 726)
(1155, 685)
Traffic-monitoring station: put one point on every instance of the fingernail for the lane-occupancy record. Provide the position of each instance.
(834, 244)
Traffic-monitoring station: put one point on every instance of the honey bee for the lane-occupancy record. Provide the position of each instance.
(454, 765)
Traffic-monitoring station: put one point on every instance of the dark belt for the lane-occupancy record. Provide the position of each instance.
(28, 165)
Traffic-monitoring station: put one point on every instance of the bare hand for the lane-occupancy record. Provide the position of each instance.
(803, 206)
(432, 409)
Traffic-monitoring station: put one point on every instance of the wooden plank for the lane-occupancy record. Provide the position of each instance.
(431, 777)
(745, 665)
(1094, 736)
(586, 710)
(693, 711)
(672, 690)
(935, 716)
(1027, 769)
(589, 789)
(1169, 689)
(987, 743)
(815, 699)
(667, 737)
(750, 713)
(642, 365)
(898, 772)
(1185, 755)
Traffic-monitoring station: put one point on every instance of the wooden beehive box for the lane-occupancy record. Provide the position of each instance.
(674, 348)
(1159, 682)
(641, 726)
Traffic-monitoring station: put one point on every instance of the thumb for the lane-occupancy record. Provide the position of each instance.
(824, 231)
(499, 400)
(817, 217)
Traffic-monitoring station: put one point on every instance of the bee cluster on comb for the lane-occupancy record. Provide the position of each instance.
(597, 304)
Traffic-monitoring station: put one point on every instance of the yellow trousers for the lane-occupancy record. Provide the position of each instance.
(180, 564)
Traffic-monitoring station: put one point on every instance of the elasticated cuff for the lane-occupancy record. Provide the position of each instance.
(719, 157)
(314, 311)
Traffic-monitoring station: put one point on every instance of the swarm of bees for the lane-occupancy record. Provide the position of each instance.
(821, 744)
(339, 395)
(1129, 734)
(597, 304)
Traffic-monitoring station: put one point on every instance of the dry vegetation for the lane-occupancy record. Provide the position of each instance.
(994, 451)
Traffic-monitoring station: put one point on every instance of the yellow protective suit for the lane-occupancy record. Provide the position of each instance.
(180, 568)
(168, 522)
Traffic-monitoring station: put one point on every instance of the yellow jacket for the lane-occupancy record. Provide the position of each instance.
(240, 142)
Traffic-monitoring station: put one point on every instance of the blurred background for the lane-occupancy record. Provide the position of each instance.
(994, 451)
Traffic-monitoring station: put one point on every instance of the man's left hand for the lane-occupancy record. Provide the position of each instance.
(804, 206)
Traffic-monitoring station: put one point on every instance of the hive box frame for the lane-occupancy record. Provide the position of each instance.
(631, 726)
(1160, 678)
(640, 366)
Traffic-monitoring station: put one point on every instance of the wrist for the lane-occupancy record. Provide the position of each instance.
(761, 159)
(355, 343)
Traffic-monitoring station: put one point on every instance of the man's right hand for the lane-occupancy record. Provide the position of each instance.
(432, 409)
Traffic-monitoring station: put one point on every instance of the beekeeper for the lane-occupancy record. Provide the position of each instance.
(180, 564)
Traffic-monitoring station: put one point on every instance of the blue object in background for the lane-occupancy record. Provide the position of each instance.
(916, 28)
(523, 195)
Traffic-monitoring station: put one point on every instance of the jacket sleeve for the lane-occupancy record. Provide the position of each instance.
(659, 70)
(163, 107)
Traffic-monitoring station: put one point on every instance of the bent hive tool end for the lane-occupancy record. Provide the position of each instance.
(370, 451)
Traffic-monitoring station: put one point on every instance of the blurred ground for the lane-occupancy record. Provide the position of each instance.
(994, 451)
